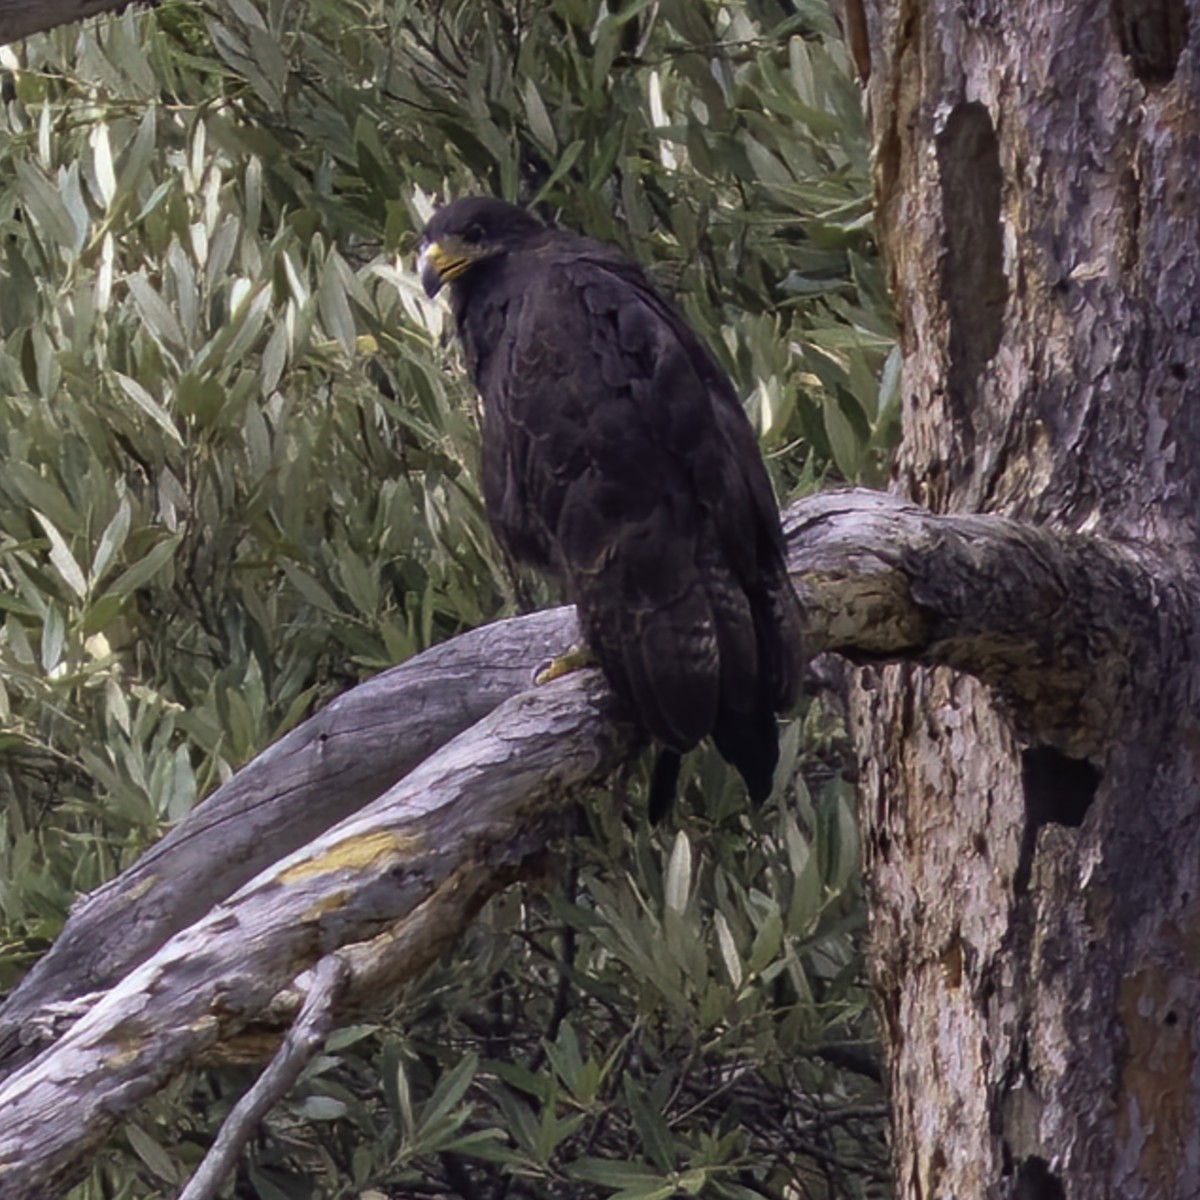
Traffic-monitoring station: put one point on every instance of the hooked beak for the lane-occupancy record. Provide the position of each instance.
(430, 270)
(442, 261)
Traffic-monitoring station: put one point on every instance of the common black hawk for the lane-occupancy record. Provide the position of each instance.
(617, 458)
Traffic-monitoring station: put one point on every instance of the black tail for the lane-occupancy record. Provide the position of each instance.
(751, 744)
(663, 780)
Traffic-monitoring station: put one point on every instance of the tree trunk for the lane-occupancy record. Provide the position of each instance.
(1036, 897)
(191, 955)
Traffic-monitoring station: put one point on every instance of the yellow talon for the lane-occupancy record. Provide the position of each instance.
(575, 659)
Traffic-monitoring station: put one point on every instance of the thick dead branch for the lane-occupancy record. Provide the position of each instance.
(1068, 630)
(325, 769)
(1052, 622)
(254, 888)
(20, 18)
(379, 968)
(487, 801)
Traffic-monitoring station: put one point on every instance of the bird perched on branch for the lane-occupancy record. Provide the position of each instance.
(617, 458)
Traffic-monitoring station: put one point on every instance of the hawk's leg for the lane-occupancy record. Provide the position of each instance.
(574, 659)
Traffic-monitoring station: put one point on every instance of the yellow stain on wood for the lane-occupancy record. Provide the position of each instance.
(326, 904)
(123, 1056)
(140, 889)
(125, 1043)
(357, 853)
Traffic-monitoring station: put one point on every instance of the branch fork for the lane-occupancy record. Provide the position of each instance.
(397, 811)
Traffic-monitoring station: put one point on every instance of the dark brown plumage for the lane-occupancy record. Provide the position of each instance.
(617, 457)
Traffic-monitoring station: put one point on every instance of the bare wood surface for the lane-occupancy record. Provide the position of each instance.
(397, 881)
(323, 770)
(20, 18)
(487, 800)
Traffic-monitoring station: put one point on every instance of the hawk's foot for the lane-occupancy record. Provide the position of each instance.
(575, 659)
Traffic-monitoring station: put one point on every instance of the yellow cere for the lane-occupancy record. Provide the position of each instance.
(449, 264)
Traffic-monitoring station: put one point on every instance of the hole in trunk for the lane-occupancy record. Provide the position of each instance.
(1058, 789)
(1036, 1182)
(1152, 34)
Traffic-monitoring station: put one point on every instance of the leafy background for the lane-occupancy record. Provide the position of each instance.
(238, 473)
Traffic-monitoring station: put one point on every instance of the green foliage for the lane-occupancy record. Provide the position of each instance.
(674, 1042)
(238, 472)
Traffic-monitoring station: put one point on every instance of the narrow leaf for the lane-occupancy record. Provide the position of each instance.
(62, 558)
(335, 307)
(112, 539)
(53, 636)
(44, 203)
(450, 1090)
(106, 176)
(539, 118)
(145, 568)
(148, 405)
(152, 1154)
(729, 951)
(679, 874)
(159, 319)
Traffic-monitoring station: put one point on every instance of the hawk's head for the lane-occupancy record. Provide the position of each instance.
(467, 231)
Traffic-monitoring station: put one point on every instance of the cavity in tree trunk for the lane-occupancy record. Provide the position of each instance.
(1034, 870)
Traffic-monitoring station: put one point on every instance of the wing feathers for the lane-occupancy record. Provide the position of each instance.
(617, 456)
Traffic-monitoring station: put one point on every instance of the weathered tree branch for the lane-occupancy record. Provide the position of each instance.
(209, 935)
(307, 1035)
(20, 18)
(322, 771)
(1067, 629)
(488, 800)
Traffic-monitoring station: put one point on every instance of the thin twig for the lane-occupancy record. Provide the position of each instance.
(304, 1039)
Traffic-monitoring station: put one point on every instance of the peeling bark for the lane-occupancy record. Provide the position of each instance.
(187, 962)
(1035, 893)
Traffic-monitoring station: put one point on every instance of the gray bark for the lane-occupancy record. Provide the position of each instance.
(1029, 770)
(481, 807)
(325, 769)
(397, 880)
(20, 18)
(1034, 916)
(304, 1040)
(1046, 620)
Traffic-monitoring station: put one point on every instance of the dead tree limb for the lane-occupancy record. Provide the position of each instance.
(184, 956)
(322, 771)
(20, 18)
(1068, 630)
(488, 801)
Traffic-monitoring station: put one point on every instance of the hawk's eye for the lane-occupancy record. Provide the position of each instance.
(473, 235)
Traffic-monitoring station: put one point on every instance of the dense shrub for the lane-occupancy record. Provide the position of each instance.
(238, 472)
